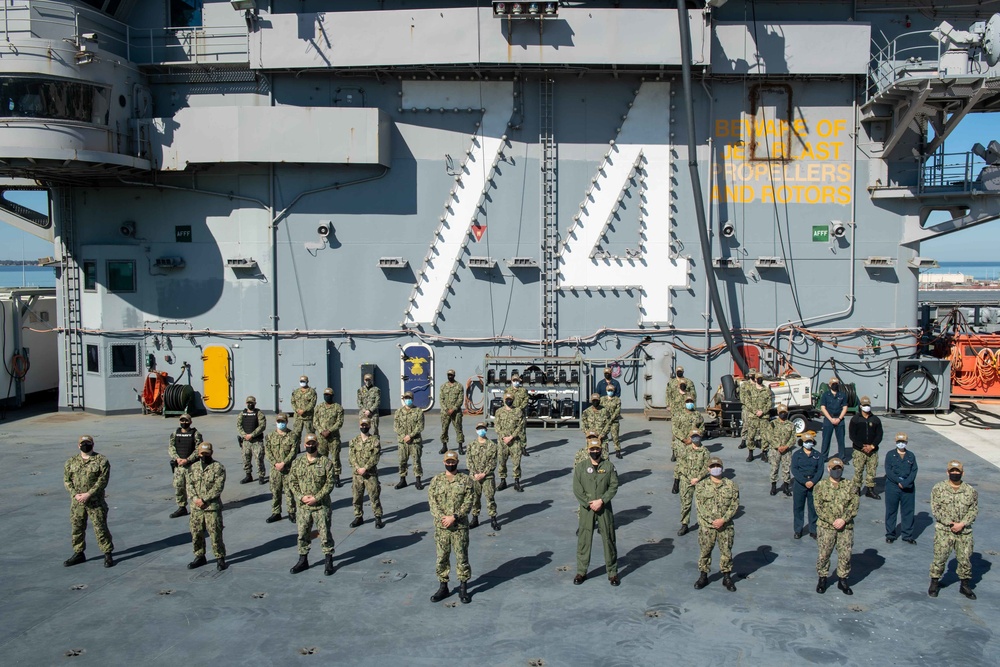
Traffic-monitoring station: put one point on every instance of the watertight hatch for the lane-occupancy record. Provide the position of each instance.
(217, 378)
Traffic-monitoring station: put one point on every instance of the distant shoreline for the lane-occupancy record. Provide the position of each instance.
(19, 262)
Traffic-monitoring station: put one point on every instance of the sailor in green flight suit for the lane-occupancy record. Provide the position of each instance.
(595, 483)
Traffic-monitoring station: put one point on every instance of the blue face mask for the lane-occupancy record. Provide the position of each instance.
(481, 432)
(282, 426)
(408, 402)
(808, 444)
(689, 405)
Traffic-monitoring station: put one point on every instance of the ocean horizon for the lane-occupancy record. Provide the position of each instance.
(27, 276)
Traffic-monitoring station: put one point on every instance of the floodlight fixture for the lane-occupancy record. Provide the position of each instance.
(244, 5)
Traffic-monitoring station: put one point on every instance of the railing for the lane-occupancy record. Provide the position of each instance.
(950, 172)
(41, 19)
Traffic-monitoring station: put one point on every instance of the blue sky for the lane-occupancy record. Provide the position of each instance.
(976, 245)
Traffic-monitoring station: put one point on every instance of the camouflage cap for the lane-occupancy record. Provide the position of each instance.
(367, 376)
(782, 407)
(481, 425)
(86, 438)
(185, 417)
(451, 455)
(902, 437)
(715, 461)
(680, 369)
(365, 421)
(956, 465)
(591, 434)
(865, 401)
(595, 396)
(311, 437)
(328, 391)
(281, 417)
(205, 448)
(407, 394)
(251, 399)
(751, 373)
(451, 371)
(834, 463)
(593, 443)
(303, 378)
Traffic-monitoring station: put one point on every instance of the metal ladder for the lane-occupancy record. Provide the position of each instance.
(71, 324)
(550, 223)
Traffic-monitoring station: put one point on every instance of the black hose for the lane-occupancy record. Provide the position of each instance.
(971, 416)
(699, 207)
(926, 403)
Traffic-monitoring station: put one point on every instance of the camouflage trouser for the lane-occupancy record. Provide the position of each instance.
(180, 486)
(756, 427)
(866, 463)
(944, 542)
(605, 523)
(677, 449)
(211, 523)
(687, 496)
(446, 421)
(304, 520)
(253, 451)
(451, 539)
(843, 540)
(370, 484)
(374, 423)
(488, 487)
(745, 423)
(303, 424)
(512, 451)
(707, 539)
(331, 447)
(616, 429)
(415, 448)
(780, 463)
(98, 513)
(279, 488)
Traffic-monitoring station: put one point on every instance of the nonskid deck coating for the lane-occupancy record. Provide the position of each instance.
(375, 609)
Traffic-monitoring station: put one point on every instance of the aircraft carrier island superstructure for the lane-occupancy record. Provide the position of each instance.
(246, 191)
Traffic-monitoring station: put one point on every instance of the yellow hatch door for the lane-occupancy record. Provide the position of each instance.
(217, 381)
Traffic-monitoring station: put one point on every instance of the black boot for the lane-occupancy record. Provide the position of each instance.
(463, 593)
(786, 489)
(461, 450)
(442, 592)
(673, 457)
(702, 581)
(358, 520)
(618, 453)
(336, 480)
(246, 479)
(291, 517)
(494, 524)
(935, 586)
(179, 512)
(861, 490)
(676, 488)
(502, 485)
(197, 562)
(444, 448)
(221, 564)
(109, 561)
(75, 559)
(402, 483)
(774, 488)
(474, 522)
(273, 518)
(328, 565)
(378, 523)
(684, 530)
(763, 456)
(727, 582)
(871, 494)
(418, 484)
(842, 585)
(749, 456)
(261, 480)
(966, 590)
(821, 586)
(517, 485)
(743, 444)
(525, 452)
(303, 564)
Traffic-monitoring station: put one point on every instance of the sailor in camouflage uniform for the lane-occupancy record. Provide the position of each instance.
(779, 438)
(482, 464)
(693, 467)
(595, 483)
(250, 425)
(452, 396)
(328, 419)
(612, 406)
(716, 499)
(450, 495)
(281, 447)
(304, 406)
(521, 403)
(369, 400)
(744, 393)
(595, 419)
(205, 481)
(682, 423)
(183, 448)
(955, 506)
(86, 477)
(408, 424)
(508, 422)
(761, 399)
(311, 481)
(836, 501)
(363, 455)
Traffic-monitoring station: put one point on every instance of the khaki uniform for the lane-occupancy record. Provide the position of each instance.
(90, 475)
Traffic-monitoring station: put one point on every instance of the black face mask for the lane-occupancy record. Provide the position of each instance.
(86, 447)
(834, 388)
(251, 406)
(595, 454)
(509, 402)
(596, 403)
(451, 467)
(205, 460)
(607, 376)
(680, 374)
(328, 398)
(837, 473)
(451, 378)
(185, 426)
(311, 449)
(365, 429)
(782, 416)
(955, 476)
